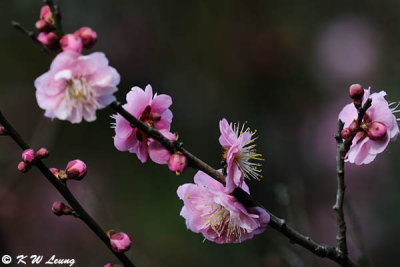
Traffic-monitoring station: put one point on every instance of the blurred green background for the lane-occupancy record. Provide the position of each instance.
(284, 66)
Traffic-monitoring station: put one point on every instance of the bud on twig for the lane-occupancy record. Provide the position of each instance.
(177, 163)
(76, 169)
(23, 167)
(346, 134)
(42, 153)
(88, 37)
(59, 208)
(3, 131)
(71, 42)
(356, 92)
(28, 156)
(120, 242)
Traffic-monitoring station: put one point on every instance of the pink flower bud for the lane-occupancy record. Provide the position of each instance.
(42, 153)
(76, 169)
(177, 163)
(59, 208)
(28, 156)
(354, 127)
(43, 26)
(88, 37)
(71, 42)
(3, 131)
(376, 130)
(120, 242)
(46, 15)
(49, 39)
(346, 134)
(356, 91)
(23, 167)
(54, 171)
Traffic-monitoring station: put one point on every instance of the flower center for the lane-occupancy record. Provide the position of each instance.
(150, 119)
(223, 224)
(80, 91)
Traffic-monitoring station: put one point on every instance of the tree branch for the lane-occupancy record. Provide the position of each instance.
(64, 191)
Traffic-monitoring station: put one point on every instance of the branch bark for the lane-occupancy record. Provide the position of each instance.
(64, 191)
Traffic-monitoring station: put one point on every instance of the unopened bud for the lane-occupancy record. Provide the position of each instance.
(120, 242)
(177, 163)
(3, 131)
(42, 153)
(59, 208)
(28, 156)
(354, 127)
(43, 26)
(71, 42)
(49, 39)
(356, 91)
(376, 130)
(88, 37)
(46, 15)
(346, 134)
(23, 167)
(76, 169)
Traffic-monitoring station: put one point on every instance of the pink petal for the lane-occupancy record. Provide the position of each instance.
(161, 103)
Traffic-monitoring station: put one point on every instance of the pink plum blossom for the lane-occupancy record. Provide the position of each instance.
(76, 86)
(239, 152)
(152, 110)
(379, 126)
(220, 217)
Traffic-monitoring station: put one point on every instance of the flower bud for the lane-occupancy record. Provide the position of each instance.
(376, 130)
(42, 153)
(46, 15)
(59, 208)
(28, 156)
(356, 91)
(177, 163)
(54, 171)
(76, 169)
(49, 39)
(120, 242)
(71, 42)
(23, 167)
(88, 37)
(346, 134)
(43, 26)
(3, 131)
(354, 127)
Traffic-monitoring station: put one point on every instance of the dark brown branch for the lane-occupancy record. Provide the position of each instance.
(32, 36)
(338, 207)
(64, 191)
(275, 222)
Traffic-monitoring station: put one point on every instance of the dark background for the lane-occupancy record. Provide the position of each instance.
(284, 66)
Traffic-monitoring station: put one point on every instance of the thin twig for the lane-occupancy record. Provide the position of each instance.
(64, 191)
(32, 36)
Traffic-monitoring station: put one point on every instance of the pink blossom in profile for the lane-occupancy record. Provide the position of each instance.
(152, 110)
(377, 129)
(240, 153)
(76, 86)
(220, 217)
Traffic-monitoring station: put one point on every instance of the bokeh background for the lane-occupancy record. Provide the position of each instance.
(283, 66)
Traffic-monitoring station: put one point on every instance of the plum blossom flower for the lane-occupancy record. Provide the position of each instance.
(152, 110)
(76, 86)
(240, 153)
(220, 217)
(379, 126)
